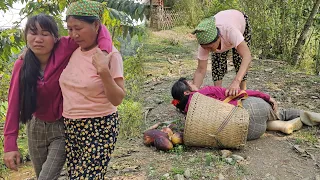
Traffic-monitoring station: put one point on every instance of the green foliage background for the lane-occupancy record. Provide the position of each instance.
(276, 25)
(131, 110)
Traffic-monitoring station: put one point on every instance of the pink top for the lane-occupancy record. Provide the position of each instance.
(218, 93)
(82, 88)
(231, 24)
(49, 97)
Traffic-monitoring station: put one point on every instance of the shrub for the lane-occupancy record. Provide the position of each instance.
(130, 111)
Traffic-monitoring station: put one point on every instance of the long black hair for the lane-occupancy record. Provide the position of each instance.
(177, 92)
(30, 70)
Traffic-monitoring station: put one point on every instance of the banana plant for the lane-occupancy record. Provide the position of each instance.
(127, 12)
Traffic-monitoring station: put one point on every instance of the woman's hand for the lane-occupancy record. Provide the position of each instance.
(113, 86)
(233, 89)
(192, 86)
(101, 60)
(274, 104)
(12, 160)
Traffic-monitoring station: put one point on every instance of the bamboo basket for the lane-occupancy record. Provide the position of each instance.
(214, 123)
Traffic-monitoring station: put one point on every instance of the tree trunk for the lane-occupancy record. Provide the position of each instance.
(297, 49)
(283, 36)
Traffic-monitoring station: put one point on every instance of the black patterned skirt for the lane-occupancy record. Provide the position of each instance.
(89, 145)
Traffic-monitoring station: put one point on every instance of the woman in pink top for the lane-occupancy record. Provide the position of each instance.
(229, 29)
(262, 109)
(92, 85)
(35, 97)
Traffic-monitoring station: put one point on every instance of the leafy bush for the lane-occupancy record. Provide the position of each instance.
(276, 26)
(10, 43)
(2, 166)
(3, 110)
(134, 75)
(130, 113)
(129, 45)
(196, 10)
(5, 76)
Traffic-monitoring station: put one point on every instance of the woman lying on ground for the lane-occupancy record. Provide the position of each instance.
(263, 111)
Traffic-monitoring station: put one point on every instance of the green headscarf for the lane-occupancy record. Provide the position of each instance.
(86, 8)
(206, 31)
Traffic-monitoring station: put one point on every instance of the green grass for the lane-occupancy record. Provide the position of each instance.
(241, 170)
(176, 170)
(166, 55)
(205, 163)
(3, 169)
(182, 29)
(159, 48)
(161, 51)
(308, 135)
(167, 97)
(298, 141)
(3, 110)
(151, 171)
(131, 110)
(290, 69)
(195, 160)
(208, 159)
(23, 149)
(292, 83)
(308, 65)
(131, 117)
(178, 149)
(219, 162)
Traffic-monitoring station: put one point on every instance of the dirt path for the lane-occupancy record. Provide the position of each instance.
(169, 55)
(272, 156)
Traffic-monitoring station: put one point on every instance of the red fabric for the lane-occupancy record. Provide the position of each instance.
(49, 97)
(219, 94)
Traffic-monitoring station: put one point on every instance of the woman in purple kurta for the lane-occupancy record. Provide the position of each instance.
(262, 109)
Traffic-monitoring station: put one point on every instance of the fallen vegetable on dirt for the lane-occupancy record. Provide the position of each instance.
(164, 139)
(150, 135)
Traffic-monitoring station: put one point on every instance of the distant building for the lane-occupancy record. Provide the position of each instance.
(160, 14)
